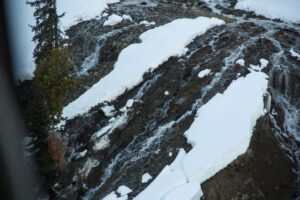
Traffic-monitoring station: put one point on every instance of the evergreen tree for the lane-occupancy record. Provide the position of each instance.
(52, 81)
(53, 76)
(47, 33)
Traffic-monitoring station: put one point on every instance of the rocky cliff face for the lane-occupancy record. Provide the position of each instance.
(149, 134)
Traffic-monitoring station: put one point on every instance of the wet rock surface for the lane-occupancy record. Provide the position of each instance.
(149, 134)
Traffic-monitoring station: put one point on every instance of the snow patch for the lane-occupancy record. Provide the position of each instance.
(167, 93)
(108, 110)
(113, 124)
(127, 17)
(101, 137)
(124, 190)
(157, 46)
(129, 103)
(204, 73)
(294, 54)
(263, 64)
(286, 10)
(101, 143)
(146, 177)
(240, 62)
(81, 154)
(113, 20)
(146, 23)
(88, 166)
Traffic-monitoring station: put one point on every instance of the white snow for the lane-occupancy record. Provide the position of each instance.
(81, 154)
(105, 14)
(146, 177)
(176, 164)
(101, 137)
(221, 131)
(166, 93)
(157, 46)
(147, 23)
(240, 62)
(170, 154)
(88, 166)
(124, 190)
(113, 20)
(127, 17)
(129, 103)
(112, 119)
(263, 64)
(294, 54)
(286, 10)
(163, 184)
(114, 123)
(101, 143)
(204, 73)
(235, 112)
(56, 185)
(108, 110)
(188, 191)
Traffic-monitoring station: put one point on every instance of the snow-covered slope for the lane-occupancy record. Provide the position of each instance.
(157, 46)
(286, 10)
(220, 133)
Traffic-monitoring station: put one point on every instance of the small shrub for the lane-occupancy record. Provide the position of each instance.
(56, 150)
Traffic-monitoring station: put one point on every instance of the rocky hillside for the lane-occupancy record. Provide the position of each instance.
(141, 131)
